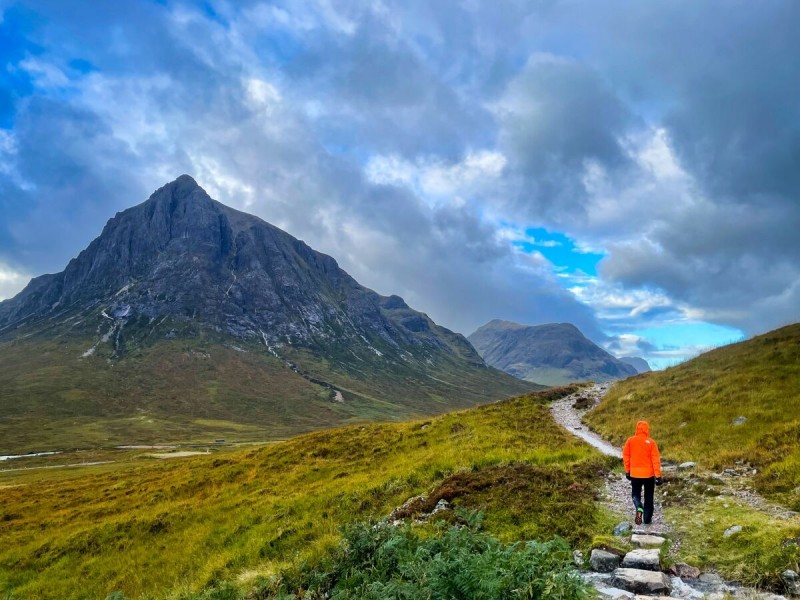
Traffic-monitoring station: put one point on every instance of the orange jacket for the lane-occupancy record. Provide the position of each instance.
(640, 454)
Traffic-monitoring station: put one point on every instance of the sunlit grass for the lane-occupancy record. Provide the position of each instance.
(162, 527)
(692, 410)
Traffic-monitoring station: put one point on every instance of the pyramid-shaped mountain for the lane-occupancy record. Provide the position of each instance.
(186, 318)
(550, 354)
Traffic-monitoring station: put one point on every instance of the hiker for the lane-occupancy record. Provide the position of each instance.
(643, 469)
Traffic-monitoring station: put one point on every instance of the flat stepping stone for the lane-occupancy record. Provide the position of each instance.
(648, 559)
(643, 531)
(647, 541)
(640, 581)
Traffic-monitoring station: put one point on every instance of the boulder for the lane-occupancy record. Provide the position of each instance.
(647, 541)
(684, 570)
(603, 561)
(740, 420)
(791, 580)
(687, 465)
(640, 581)
(647, 559)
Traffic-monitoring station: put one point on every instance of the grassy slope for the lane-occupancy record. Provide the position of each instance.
(691, 409)
(199, 387)
(157, 527)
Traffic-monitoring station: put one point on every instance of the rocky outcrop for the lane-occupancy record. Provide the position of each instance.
(552, 354)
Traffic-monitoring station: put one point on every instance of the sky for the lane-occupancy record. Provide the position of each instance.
(630, 167)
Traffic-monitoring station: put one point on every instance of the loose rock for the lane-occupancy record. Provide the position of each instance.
(740, 420)
(687, 465)
(732, 531)
(623, 528)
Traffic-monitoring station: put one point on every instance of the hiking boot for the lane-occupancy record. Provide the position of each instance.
(639, 513)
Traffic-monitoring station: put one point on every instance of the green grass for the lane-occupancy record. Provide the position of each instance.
(199, 387)
(756, 556)
(692, 407)
(153, 529)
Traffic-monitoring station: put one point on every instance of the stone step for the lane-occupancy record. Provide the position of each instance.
(647, 541)
(649, 531)
(603, 561)
(640, 581)
(648, 559)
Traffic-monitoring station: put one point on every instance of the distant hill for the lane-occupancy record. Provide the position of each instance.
(552, 354)
(186, 319)
(736, 404)
(638, 363)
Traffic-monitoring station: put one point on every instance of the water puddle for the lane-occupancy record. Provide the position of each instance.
(33, 454)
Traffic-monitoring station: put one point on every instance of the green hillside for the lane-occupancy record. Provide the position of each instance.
(144, 526)
(201, 385)
(693, 410)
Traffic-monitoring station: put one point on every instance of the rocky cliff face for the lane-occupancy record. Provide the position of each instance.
(183, 255)
(551, 354)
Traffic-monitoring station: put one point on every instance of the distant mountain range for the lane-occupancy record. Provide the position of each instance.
(186, 319)
(552, 354)
(638, 363)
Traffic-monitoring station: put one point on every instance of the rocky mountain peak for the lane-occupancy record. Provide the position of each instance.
(551, 354)
(182, 255)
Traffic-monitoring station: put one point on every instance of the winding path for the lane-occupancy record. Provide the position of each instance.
(617, 492)
(617, 489)
(570, 418)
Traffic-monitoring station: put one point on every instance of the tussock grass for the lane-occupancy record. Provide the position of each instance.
(692, 408)
(171, 528)
(756, 556)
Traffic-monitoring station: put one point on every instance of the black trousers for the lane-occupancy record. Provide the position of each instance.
(649, 485)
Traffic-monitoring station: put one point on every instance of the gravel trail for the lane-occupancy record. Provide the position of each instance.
(617, 491)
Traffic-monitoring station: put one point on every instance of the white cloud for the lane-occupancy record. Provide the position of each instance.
(11, 282)
(44, 74)
(435, 180)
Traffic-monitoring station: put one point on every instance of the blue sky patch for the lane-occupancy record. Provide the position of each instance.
(560, 250)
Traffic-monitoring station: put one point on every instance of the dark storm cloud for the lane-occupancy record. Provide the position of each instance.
(278, 108)
(190, 96)
(558, 116)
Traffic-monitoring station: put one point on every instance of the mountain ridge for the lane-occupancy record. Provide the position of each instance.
(550, 354)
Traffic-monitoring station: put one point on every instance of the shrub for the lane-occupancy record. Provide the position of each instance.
(380, 562)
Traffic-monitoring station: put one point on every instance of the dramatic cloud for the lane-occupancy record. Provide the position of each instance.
(478, 158)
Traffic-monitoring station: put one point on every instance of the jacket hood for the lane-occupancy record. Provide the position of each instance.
(643, 428)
